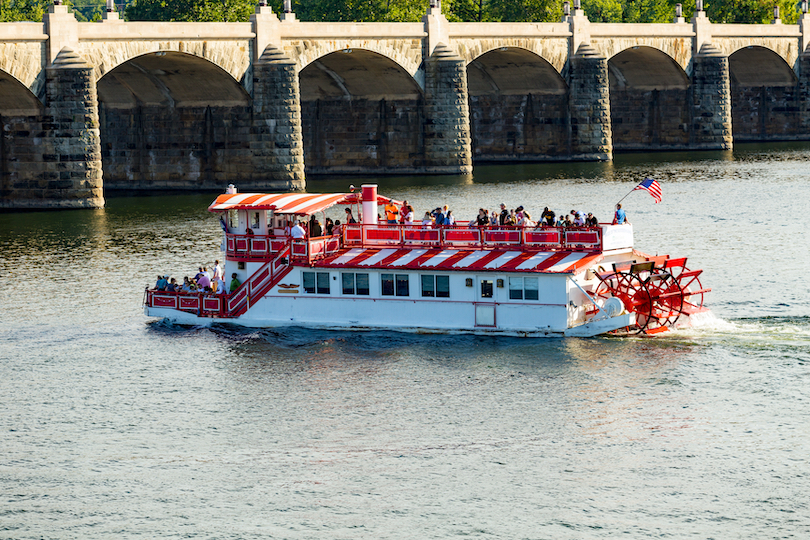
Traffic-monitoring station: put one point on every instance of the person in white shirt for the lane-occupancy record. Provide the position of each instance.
(407, 215)
(218, 273)
(220, 285)
(298, 231)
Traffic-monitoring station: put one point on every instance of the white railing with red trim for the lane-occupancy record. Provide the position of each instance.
(543, 238)
(257, 285)
(226, 305)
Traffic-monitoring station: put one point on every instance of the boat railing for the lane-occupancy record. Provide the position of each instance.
(201, 303)
(207, 304)
(588, 239)
(543, 238)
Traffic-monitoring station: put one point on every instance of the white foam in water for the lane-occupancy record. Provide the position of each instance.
(707, 323)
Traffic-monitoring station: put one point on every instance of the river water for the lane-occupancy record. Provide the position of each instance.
(115, 425)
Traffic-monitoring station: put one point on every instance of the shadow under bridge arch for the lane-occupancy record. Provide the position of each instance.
(172, 120)
(518, 107)
(21, 128)
(765, 98)
(361, 113)
(649, 101)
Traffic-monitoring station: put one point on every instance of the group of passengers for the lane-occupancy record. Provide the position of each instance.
(517, 217)
(443, 217)
(204, 281)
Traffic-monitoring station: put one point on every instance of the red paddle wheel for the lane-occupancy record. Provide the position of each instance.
(659, 291)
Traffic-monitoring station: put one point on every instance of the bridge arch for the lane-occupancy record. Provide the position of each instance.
(765, 101)
(404, 53)
(552, 51)
(171, 120)
(361, 112)
(15, 98)
(518, 106)
(649, 93)
(23, 61)
(232, 57)
(21, 126)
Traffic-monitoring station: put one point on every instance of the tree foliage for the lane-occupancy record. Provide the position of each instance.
(190, 10)
(628, 11)
(23, 10)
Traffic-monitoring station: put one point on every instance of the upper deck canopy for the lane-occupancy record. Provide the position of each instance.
(287, 203)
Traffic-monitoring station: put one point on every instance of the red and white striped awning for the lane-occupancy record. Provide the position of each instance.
(564, 262)
(286, 203)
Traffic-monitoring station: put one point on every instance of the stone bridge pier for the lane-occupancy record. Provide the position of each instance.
(114, 105)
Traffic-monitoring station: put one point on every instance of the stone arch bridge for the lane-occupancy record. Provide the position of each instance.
(143, 105)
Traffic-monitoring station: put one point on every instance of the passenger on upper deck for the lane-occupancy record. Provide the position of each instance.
(504, 214)
(620, 218)
(391, 213)
(579, 221)
(298, 231)
(204, 281)
(427, 221)
(438, 217)
(406, 214)
(349, 216)
(161, 283)
(591, 220)
(315, 229)
(328, 226)
(548, 217)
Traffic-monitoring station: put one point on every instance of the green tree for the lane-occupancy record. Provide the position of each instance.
(631, 11)
(23, 10)
(190, 10)
(751, 11)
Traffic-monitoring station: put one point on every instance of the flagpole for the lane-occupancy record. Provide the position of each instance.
(631, 191)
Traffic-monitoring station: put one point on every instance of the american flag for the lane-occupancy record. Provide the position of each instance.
(651, 186)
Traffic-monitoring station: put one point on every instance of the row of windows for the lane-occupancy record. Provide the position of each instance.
(433, 286)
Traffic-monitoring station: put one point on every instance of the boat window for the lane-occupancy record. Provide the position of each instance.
(254, 220)
(387, 285)
(395, 285)
(309, 282)
(316, 282)
(521, 288)
(530, 288)
(435, 286)
(355, 283)
(403, 288)
(323, 282)
(516, 288)
(233, 219)
(486, 288)
(428, 286)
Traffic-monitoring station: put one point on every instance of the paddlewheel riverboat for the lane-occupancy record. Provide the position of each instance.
(549, 281)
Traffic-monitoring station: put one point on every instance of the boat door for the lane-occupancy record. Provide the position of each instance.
(485, 302)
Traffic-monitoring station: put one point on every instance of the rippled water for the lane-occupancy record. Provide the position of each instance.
(119, 426)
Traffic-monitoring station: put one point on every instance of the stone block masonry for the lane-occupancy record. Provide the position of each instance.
(589, 105)
(447, 114)
(135, 105)
(60, 166)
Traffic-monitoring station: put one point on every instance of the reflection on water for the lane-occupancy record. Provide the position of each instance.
(118, 426)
